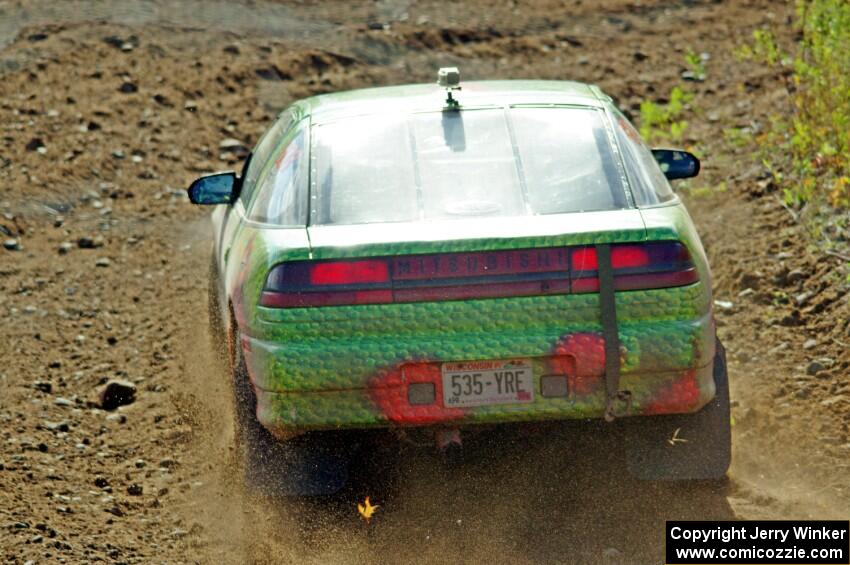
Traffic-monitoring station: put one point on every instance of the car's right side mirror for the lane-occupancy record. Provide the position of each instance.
(676, 164)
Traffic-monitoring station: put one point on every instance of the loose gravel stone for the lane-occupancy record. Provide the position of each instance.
(116, 393)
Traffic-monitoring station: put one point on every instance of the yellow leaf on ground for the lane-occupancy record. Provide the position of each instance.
(366, 509)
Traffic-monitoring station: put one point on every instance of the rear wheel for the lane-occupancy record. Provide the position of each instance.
(684, 446)
(217, 333)
(309, 465)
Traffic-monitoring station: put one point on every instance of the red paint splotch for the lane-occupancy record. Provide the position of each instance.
(680, 395)
(580, 356)
(388, 391)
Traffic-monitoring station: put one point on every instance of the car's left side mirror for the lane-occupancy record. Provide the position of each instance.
(676, 164)
(217, 188)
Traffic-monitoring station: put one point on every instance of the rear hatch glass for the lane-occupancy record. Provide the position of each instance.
(458, 164)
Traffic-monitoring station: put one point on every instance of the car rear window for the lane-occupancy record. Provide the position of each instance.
(281, 199)
(649, 185)
(457, 164)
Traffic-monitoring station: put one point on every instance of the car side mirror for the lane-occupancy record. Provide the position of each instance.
(676, 164)
(217, 188)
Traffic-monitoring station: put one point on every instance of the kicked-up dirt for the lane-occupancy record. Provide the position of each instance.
(109, 109)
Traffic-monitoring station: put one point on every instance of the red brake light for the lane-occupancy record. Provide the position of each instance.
(629, 256)
(349, 272)
(622, 257)
(656, 264)
(584, 259)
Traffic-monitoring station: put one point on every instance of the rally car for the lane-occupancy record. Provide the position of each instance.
(439, 257)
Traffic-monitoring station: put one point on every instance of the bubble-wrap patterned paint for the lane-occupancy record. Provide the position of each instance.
(652, 394)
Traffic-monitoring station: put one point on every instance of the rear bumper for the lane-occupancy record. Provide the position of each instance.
(386, 404)
(349, 367)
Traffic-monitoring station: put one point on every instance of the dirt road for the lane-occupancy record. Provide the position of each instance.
(108, 109)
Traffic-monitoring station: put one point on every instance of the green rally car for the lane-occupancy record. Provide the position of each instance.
(438, 257)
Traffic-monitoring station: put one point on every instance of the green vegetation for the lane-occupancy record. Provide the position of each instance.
(764, 48)
(665, 122)
(737, 137)
(696, 65)
(812, 147)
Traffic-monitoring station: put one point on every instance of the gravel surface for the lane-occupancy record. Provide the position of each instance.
(116, 441)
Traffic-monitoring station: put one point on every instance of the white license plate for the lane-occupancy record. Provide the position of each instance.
(479, 383)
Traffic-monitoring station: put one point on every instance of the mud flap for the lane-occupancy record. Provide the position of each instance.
(608, 316)
(684, 446)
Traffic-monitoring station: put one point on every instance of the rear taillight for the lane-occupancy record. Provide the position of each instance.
(636, 266)
(464, 276)
(350, 272)
(622, 257)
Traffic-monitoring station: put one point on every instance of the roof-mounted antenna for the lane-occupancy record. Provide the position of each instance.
(449, 78)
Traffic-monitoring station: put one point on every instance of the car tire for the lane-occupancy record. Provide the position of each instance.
(707, 449)
(304, 466)
(217, 334)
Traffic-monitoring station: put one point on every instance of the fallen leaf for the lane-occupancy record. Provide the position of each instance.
(674, 439)
(366, 509)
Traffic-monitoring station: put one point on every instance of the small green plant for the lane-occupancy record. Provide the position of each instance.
(665, 122)
(737, 137)
(696, 65)
(764, 48)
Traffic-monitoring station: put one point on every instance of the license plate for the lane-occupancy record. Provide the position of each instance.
(480, 383)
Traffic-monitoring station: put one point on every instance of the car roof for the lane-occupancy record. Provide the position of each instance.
(431, 97)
